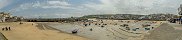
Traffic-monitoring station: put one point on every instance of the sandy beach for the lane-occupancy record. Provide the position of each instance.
(115, 29)
(111, 30)
(27, 31)
(98, 30)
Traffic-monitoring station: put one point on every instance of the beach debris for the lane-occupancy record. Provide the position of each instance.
(128, 21)
(161, 23)
(152, 27)
(127, 28)
(134, 29)
(85, 24)
(107, 35)
(102, 26)
(124, 25)
(96, 24)
(91, 29)
(147, 28)
(145, 25)
(137, 28)
(115, 24)
(102, 22)
(137, 33)
(21, 23)
(121, 21)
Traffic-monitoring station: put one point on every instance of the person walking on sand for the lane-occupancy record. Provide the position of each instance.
(9, 28)
(6, 28)
(2, 29)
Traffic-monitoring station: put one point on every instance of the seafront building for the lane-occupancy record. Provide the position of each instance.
(7, 17)
(4, 16)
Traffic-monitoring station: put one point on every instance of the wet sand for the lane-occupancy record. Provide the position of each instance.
(27, 31)
(112, 31)
(165, 31)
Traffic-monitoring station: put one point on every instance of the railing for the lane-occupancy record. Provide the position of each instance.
(2, 37)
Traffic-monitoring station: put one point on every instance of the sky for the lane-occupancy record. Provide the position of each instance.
(78, 8)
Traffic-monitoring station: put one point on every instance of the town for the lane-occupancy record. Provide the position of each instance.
(90, 20)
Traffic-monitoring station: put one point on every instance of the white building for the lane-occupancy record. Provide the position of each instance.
(4, 16)
(93, 19)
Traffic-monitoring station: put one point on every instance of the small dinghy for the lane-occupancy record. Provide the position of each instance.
(75, 31)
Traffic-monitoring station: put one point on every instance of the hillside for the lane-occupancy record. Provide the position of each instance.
(133, 16)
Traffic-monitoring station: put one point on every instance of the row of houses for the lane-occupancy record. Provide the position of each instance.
(7, 17)
(134, 16)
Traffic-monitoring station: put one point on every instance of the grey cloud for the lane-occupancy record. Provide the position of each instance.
(4, 3)
(110, 7)
(136, 6)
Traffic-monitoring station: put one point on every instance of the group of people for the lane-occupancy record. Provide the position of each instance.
(6, 29)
